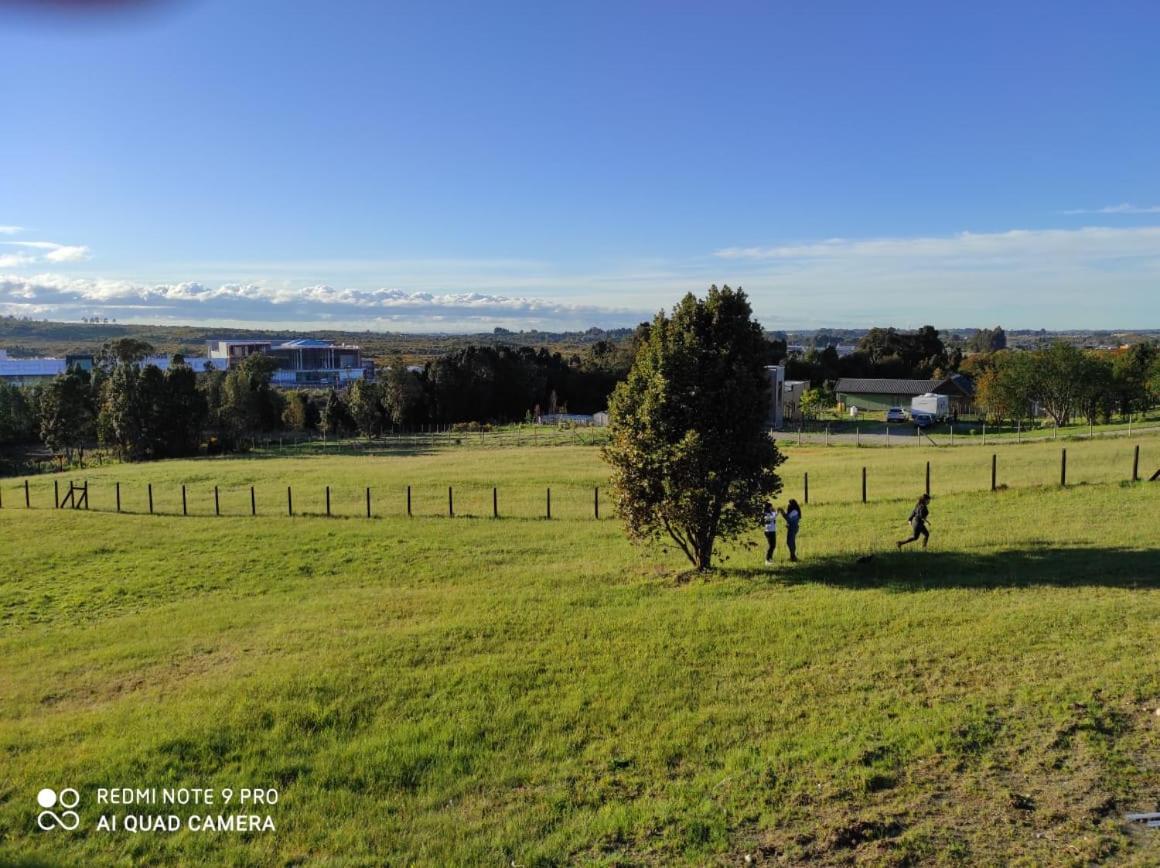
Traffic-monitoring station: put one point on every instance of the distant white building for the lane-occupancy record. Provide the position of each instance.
(558, 418)
(301, 362)
(791, 399)
(199, 364)
(776, 375)
(29, 372)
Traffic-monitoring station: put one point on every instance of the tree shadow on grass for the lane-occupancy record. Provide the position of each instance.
(919, 570)
(406, 450)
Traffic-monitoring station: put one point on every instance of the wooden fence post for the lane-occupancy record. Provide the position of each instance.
(117, 486)
(450, 503)
(253, 502)
(55, 494)
(368, 501)
(1136, 464)
(549, 513)
(806, 488)
(596, 502)
(27, 497)
(408, 501)
(994, 469)
(184, 508)
(86, 494)
(864, 481)
(494, 502)
(150, 487)
(328, 500)
(217, 506)
(289, 501)
(1063, 466)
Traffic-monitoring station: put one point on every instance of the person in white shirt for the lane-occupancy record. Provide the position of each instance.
(769, 522)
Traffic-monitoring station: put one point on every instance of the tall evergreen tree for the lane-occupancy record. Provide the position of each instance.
(691, 456)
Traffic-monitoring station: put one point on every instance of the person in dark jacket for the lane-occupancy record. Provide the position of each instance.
(793, 517)
(918, 518)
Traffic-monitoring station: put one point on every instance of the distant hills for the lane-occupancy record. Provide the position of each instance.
(27, 338)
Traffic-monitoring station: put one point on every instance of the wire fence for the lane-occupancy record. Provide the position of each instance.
(823, 482)
(470, 500)
(883, 435)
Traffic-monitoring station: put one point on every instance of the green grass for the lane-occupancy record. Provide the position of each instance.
(467, 691)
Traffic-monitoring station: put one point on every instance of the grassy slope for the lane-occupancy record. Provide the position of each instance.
(447, 692)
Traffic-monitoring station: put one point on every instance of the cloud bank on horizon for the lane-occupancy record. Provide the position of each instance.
(1095, 276)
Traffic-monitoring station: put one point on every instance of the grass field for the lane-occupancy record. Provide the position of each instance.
(467, 691)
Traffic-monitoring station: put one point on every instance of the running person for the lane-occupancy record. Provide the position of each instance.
(918, 517)
(793, 517)
(769, 523)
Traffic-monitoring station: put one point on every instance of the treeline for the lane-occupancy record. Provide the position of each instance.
(474, 384)
(144, 413)
(1066, 383)
(881, 352)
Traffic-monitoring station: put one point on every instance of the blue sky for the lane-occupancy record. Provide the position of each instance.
(457, 166)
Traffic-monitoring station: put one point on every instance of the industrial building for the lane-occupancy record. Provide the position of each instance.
(878, 394)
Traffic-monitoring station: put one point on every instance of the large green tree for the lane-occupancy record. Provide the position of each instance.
(364, 402)
(124, 416)
(1131, 370)
(1005, 388)
(18, 423)
(690, 453)
(402, 394)
(67, 413)
(248, 402)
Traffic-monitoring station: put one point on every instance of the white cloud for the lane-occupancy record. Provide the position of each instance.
(1093, 242)
(63, 296)
(10, 230)
(53, 252)
(1095, 276)
(1122, 208)
(1099, 277)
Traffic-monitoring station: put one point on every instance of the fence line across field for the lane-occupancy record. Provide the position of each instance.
(568, 500)
(881, 435)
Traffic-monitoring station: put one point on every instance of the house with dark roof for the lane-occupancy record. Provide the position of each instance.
(876, 394)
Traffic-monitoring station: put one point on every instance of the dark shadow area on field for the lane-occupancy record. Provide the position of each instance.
(918, 570)
(401, 450)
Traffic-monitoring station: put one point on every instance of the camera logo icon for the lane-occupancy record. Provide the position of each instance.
(67, 819)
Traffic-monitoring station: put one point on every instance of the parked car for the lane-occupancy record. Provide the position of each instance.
(895, 414)
(921, 420)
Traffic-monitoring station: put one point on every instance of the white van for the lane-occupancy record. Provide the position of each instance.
(937, 406)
